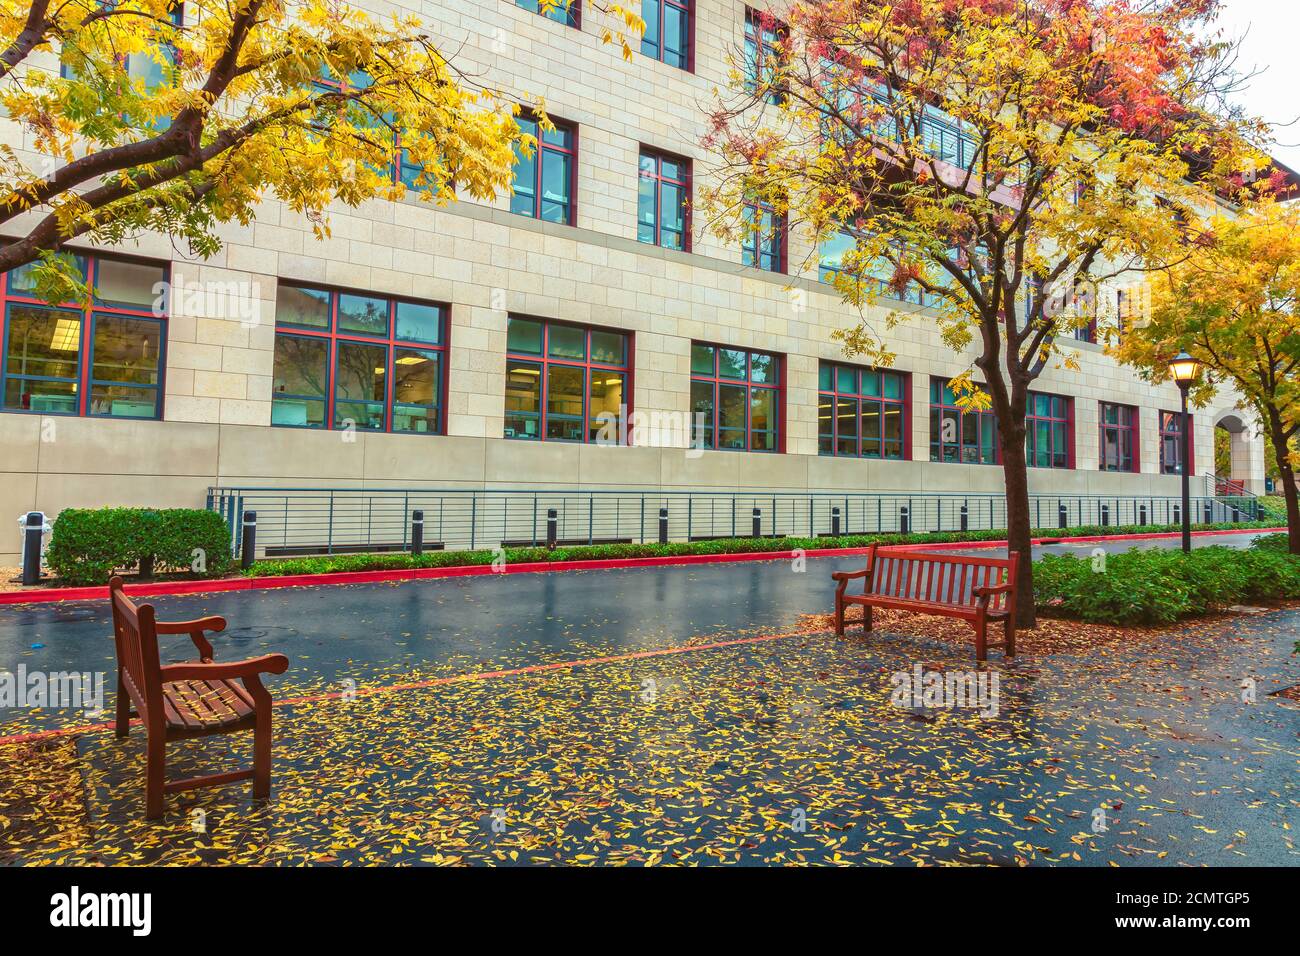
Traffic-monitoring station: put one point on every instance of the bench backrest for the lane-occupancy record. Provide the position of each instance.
(936, 578)
(137, 649)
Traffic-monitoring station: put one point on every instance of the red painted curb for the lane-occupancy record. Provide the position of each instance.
(166, 588)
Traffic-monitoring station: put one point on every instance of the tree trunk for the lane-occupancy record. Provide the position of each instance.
(1015, 472)
(1287, 478)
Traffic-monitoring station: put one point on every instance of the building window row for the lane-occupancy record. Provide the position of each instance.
(346, 359)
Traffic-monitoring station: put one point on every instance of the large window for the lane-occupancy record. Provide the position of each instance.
(569, 15)
(1049, 431)
(1119, 437)
(667, 34)
(543, 187)
(355, 360)
(959, 436)
(104, 357)
(763, 243)
(735, 398)
(566, 382)
(1171, 434)
(765, 39)
(862, 412)
(661, 201)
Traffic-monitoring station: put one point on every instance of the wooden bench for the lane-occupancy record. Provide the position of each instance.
(194, 699)
(978, 590)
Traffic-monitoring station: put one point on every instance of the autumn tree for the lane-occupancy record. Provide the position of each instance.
(995, 157)
(1234, 304)
(135, 118)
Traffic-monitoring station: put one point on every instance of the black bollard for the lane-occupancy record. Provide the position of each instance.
(835, 522)
(663, 525)
(1062, 516)
(552, 528)
(1105, 516)
(1142, 516)
(758, 522)
(965, 518)
(33, 528)
(1178, 515)
(417, 533)
(248, 544)
(904, 520)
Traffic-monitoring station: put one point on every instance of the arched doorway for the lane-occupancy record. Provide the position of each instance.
(1238, 453)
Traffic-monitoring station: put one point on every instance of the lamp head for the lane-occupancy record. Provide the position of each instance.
(1184, 369)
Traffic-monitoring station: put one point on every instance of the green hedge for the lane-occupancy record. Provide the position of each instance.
(1273, 507)
(1159, 586)
(326, 564)
(88, 545)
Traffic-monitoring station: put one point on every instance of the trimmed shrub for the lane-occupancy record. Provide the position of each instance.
(1159, 586)
(87, 545)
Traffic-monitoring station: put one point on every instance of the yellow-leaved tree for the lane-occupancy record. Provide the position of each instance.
(989, 160)
(1234, 304)
(139, 115)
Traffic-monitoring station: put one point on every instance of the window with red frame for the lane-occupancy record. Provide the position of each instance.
(543, 187)
(566, 382)
(1119, 437)
(668, 28)
(958, 436)
(101, 358)
(862, 412)
(1049, 431)
(662, 196)
(348, 359)
(765, 41)
(762, 244)
(735, 398)
(1171, 435)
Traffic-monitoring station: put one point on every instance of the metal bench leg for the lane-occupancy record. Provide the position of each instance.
(839, 615)
(866, 618)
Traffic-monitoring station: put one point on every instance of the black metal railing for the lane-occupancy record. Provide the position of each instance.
(338, 520)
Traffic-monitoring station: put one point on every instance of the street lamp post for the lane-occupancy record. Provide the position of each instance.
(1185, 371)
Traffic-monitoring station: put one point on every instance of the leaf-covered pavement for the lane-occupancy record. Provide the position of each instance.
(777, 751)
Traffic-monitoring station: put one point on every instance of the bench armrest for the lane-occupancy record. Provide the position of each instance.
(195, 630)
(266, 664)
(848, 575)
(992, 589)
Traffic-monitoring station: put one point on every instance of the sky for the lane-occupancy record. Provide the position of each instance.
(1268, 30)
